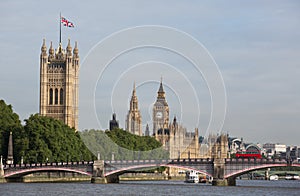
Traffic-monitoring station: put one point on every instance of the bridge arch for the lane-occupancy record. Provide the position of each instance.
(126, 169)
(254, 168)
(23, 172)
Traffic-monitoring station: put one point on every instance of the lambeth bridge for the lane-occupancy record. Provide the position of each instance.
(223, 171)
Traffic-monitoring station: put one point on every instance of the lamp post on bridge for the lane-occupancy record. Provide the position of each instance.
(112, 156)
(98, 156)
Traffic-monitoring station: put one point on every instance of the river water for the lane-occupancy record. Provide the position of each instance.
(244, 187)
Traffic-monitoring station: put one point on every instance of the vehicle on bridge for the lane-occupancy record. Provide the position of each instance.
(248, 154)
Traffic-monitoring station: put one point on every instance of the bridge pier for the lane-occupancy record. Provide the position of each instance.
(98, 174)
(224, 182)
(105, 180)
(112, 179)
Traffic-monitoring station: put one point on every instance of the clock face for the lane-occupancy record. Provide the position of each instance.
(158, 115)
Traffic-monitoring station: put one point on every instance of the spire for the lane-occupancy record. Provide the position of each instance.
(59, 50)
(44, 48)
(161, 92)
(10, 158)
(134, 91)
(161, 89)
(69, 48)
(75, 51)
(134, 100)
(51, 51)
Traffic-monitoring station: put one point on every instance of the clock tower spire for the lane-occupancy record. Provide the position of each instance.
(160, 110)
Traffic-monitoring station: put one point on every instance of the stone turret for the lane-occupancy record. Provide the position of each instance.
(51, 52)
(69, 49)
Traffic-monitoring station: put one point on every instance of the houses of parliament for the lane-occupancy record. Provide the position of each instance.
(59, 71)
(59, 87)
(174, 137)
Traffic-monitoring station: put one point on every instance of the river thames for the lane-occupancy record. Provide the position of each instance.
(244, 187)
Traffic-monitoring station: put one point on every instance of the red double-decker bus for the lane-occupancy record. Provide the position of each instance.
(248, 154)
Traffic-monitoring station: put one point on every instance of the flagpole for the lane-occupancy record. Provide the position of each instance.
(60, 27)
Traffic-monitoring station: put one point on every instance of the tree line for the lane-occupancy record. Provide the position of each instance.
(40, 140)
(43, 139)
(119, 144)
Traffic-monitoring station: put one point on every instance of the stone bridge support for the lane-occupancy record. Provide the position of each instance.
(98, 174)
(219, 174)
(220, 153)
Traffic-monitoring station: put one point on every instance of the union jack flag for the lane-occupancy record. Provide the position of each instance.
(66, 22)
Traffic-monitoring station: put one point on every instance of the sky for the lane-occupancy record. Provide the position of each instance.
(251, 48)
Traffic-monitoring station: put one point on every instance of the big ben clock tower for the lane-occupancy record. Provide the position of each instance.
(160, 111)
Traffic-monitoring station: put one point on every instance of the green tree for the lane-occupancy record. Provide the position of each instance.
(9, 122)
(123, 145)
(51, 140)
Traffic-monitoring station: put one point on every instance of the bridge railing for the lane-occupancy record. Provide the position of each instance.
(208, 160)
(52, 164)
(257, 160)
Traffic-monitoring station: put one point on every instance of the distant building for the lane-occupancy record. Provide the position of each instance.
(160, 111)
(293, 152)
(114, 123)
(179, 142)
(213, 144)
(134, 118)
(173, 136)
(272, 149)
(235, 145)
(59, 72)
(147, 133)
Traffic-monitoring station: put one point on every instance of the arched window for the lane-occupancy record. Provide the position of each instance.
(61, 97)
(50, 96)
(56, 96)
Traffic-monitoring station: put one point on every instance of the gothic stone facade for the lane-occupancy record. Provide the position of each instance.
(59, 71)
(174, 137)
(134, 118)
(160, 111)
